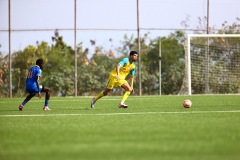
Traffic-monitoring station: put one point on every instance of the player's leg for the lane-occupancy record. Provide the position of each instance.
(28, 98)
(128, 91)
(100, 95)
(47, 97)
(111, 84)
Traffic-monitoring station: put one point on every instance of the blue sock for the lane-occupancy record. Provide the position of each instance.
(24, 102)
(46, 102)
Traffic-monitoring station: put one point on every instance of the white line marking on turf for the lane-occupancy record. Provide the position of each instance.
(111, 114)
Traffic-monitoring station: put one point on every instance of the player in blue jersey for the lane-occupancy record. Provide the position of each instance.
(117, 78)
(33, 86)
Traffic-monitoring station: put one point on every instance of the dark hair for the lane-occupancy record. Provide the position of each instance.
(132, 53)
(40, 62)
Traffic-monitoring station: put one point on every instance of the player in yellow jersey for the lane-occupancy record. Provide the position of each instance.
(117, 78)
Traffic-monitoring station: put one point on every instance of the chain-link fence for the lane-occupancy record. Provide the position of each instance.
(93, 26)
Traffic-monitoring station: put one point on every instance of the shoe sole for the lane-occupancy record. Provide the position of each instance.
(123, 107)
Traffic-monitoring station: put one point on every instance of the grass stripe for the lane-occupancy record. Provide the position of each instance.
(112, 114)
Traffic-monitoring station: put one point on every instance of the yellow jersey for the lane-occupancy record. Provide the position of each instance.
(125, 68)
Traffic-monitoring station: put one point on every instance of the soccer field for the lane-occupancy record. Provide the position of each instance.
(152, 128)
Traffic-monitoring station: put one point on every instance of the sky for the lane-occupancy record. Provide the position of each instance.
(36, 20)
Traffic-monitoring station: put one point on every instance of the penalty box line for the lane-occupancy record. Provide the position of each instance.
(112, 114)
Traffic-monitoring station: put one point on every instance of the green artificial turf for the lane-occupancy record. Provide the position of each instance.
(152, 128)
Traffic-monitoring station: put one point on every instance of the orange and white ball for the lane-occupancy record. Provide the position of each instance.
(187, 103)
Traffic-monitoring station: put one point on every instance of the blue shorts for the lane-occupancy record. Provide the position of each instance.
(32, 90)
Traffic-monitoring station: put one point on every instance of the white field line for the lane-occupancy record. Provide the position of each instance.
(112, 114)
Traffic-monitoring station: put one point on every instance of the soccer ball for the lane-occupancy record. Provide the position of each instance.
(187, 103)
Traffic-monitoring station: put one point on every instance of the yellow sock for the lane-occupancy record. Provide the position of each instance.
(99, 96)
(125, 96)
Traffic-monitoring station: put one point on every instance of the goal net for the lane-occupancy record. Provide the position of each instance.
(213, 64)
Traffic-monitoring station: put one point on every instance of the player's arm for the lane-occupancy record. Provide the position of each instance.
(131, 81)
(118, 71)
(132, 73)
(37, 82)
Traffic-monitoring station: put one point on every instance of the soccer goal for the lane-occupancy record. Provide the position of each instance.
(213, 63)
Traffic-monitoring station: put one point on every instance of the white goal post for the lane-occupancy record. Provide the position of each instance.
(210, 38)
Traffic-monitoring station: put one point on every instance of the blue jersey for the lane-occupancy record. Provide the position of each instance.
(32, 77)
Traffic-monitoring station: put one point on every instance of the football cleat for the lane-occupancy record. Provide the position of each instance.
(20, 107)
(45, 108)
(122, 105)
(93, 102)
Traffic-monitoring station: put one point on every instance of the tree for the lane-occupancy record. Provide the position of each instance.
(4, 76)
(172, 64)
(95, 72)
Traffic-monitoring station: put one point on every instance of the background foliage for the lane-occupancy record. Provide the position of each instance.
(58, 73)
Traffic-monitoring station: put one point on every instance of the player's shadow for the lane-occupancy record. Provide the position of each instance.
(74, 109)
(52, 109)
(9, 110)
